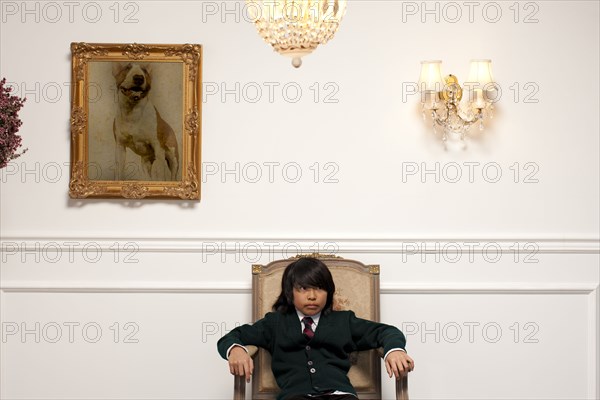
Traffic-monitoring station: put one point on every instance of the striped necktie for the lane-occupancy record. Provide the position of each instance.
(308, 332)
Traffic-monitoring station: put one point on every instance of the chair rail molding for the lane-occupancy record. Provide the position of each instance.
(293, 246)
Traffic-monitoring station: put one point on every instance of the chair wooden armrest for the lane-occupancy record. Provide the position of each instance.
(402, 388)
(401, 384)
(239, 382)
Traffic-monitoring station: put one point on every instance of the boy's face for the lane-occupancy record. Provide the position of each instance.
(308, 300)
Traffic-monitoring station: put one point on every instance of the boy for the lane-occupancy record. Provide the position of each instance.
(309, 342)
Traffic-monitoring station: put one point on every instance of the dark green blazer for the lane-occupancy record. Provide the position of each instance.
(321, 364)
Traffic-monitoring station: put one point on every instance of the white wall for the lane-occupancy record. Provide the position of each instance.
(521, 254)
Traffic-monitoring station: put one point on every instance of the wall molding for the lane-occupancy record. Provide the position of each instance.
(290, 245)
(575, 288)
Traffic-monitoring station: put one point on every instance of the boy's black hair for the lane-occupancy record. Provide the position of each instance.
(304, 272)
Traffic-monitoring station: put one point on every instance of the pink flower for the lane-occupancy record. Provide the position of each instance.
(9, 125)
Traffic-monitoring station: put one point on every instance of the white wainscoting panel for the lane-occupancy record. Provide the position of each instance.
(478, 326)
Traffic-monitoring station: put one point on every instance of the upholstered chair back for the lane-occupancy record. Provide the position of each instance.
(357, 289)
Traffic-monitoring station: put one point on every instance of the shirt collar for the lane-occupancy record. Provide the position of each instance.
(315, 317)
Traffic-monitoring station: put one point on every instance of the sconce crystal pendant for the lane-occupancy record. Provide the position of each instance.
(296, 28)
(444, 98)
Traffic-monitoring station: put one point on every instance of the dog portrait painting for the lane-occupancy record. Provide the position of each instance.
(139, 127)
(136, 120)
(136, 128)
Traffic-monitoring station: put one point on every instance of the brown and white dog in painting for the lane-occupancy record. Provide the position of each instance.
(139, 127)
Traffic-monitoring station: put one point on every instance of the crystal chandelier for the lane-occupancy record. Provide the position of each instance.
(296, 28)
(449, 107)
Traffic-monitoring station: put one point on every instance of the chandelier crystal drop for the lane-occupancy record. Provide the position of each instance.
(295, 28)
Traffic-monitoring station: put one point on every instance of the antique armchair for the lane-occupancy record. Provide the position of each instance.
(357, 289)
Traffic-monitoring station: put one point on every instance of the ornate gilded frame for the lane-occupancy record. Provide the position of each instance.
(190, 57)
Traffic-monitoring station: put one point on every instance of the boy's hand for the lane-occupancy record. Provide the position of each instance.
(240, 363)
(399, 364)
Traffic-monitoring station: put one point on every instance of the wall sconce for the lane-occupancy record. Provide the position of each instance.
(295, 28)
(444, 97)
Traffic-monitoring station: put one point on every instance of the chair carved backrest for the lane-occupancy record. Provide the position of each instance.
(357, 289)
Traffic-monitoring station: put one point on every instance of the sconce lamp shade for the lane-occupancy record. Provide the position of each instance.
(481, 74)
(296, 28)
(431, 76)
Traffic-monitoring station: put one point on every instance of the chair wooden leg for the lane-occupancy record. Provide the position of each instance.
(239, 388)
(402, 388)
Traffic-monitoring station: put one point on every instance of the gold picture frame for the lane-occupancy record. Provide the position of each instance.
(136, 120)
